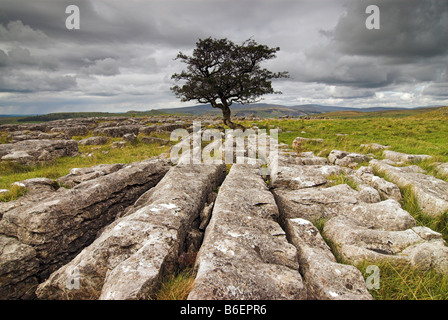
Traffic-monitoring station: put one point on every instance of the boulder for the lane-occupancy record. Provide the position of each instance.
(131, 256)
(431, 193)
(129, 137)
(150, 140)
(325, 279)
(443, 168)
(299, 140)
(404, 157)
(245, 254)
(387, 190)
(72, 130)
(299, 177)
(34, 151)
(117, 132)
(100, 140)
(78, 175)
(18, 268)
(373, 147)
(346, 159)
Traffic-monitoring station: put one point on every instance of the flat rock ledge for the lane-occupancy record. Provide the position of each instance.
(130, 257)
(325, 279)
(54, 229)
(30, 152)
(245, 254)
(431, 193)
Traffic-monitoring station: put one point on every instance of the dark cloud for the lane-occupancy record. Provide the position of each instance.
(408, 29)
(122, 56)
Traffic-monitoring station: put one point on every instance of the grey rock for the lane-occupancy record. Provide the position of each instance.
(75, 130)
(78, 175)
(245, 254)
(117, 132)
(346, 159)
(34, 151)
(130, 257)
(431, 193)
(62, 224)
(443, 168)
(386, 189)
(374, 147)
(324, 278)
(100, 140)
(129, 137)
(315, 203)
(299, 177)
(356, 242)
(150, 140)
(404, 157)
(18, 268)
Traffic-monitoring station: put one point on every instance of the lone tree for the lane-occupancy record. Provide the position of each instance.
(220, 73)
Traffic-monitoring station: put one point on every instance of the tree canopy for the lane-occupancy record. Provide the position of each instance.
(221, 72)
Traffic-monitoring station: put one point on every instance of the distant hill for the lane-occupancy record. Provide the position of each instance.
(264, 110)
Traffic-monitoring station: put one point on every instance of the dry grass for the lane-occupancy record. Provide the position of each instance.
(177, 286)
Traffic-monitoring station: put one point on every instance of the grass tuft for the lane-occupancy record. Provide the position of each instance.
(401, 281)
(14, 192)
(177, 286)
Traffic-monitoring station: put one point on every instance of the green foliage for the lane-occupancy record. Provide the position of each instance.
(342, 178)
(401, 281)
(176, 286)
(13, 193)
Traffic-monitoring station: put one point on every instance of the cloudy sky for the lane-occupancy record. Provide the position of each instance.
(121, 58)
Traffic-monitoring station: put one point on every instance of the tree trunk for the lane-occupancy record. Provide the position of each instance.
(226, 119)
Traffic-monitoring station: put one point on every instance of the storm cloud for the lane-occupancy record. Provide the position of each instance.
(121, 58)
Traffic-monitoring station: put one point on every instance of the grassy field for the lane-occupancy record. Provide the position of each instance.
(417, 132)
(424, 133)
(88, 156)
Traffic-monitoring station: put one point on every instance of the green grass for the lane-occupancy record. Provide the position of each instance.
(400, 281)
(13, 193)
(342, 178)
(408, 134)
(12, 172)
(176, 286)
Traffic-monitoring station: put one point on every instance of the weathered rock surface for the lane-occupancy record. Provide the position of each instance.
(100, 140)
(308, 158)
(129, 258)
(78, 175)
(443, 168)
(150, 140)
(245, 254)
(66, 221)
(373, 147)
(431, 193)
(37, 189)
(387, 189)
(356, 242)
(33, 151)
(18, 268)
(312, 204)
(325, 279)
(299, 177)
(72, 130)
(346, 159)
(299, 140)
(404, 157)
(117, 132)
